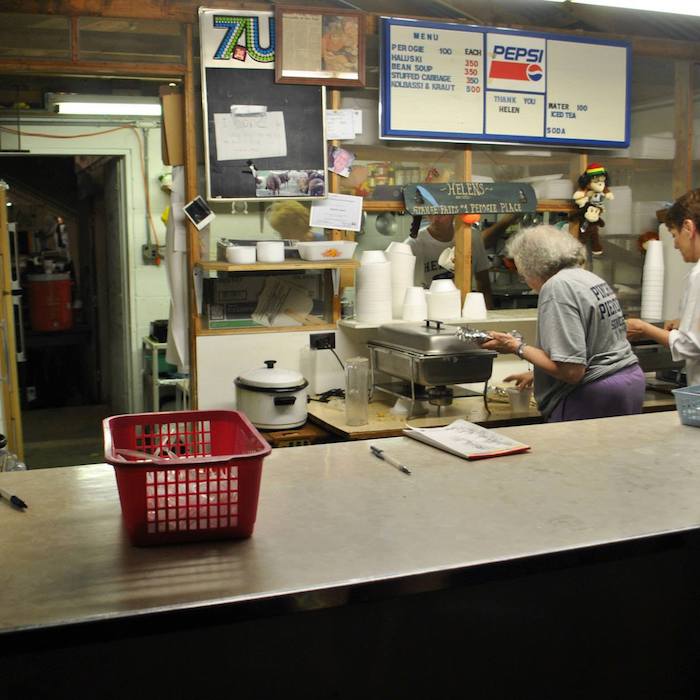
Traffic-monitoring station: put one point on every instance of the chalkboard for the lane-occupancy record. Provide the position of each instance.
(271, 145)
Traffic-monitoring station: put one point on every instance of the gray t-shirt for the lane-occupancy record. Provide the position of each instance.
(427, 251)
(579, 320)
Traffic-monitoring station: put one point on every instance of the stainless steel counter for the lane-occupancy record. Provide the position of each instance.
(332, 517)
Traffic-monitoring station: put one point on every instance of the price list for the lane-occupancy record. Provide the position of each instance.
(451, 82)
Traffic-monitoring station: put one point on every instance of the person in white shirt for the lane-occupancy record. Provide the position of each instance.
(436, 237)
(681, 335)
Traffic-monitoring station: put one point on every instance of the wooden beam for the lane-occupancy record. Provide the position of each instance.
(193, 252)
(463, 257)
(12, 414)
(683, 128)
(111, 69)
(175, 10)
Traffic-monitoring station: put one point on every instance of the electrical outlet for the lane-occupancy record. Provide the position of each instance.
(152, 254)
(322, 341)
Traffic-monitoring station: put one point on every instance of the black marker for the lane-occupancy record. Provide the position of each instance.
(14, 500)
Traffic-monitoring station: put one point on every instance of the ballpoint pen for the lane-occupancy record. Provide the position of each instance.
(14, 500)
(389, 460)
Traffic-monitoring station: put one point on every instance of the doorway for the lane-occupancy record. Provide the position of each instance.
(66, 218)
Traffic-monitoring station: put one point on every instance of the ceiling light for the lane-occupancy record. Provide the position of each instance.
(677, 7)
(110, 105)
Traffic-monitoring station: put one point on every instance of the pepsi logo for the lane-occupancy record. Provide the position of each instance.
(534, 72)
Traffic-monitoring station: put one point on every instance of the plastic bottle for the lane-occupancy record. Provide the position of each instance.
(356, 391)
(8, 460)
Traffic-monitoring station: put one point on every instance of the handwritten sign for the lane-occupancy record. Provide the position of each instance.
(469, 198)
(250, 136)
(451, 82)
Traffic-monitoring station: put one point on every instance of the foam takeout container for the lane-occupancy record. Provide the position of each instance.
(326, 250)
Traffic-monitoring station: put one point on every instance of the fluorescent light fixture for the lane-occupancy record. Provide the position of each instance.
(109, 105)
(676, 7)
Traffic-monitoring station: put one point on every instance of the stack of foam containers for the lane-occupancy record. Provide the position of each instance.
(618, 213)
(644, 216)
(557, 189)
(403, 264)
(373, 288)
(653, 282)
(657, 146)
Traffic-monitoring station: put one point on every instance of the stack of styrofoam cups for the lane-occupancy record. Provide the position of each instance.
(653, 282)
(443, 300)
(415, 305)
(474, 307)
(373, 288)
(403, 263)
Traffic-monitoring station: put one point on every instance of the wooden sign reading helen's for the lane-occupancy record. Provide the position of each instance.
(425, 199)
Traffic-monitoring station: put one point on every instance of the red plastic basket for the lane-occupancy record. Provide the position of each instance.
(186, 475)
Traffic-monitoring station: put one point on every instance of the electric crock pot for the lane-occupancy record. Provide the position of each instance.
(273, 399)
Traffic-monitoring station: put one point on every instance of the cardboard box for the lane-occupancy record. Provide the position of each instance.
(172, 130)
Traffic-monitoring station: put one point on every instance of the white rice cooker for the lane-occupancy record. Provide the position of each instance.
(273, 399)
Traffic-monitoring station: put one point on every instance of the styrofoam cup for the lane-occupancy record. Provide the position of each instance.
(474, 306)
(441, 286)
(414, 296)
(369, 257)
(401, 248)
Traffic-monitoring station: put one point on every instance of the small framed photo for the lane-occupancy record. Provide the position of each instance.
(319, 46)
(199, 213)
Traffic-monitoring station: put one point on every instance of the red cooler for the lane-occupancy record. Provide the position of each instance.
(50, 303)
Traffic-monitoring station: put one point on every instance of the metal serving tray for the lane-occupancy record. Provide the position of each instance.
(427, 338)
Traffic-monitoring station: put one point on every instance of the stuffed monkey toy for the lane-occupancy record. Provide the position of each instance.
(589, 226)
(593, 186)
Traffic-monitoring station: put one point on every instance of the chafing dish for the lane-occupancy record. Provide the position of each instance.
(425, 360)
(653, 356)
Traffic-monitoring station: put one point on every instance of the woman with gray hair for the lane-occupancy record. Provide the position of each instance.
(584, 366)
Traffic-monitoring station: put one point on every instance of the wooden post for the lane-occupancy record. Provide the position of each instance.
(463, 256)
(683, 128)
(347, 277)
(193, 253)
(8, 354)
(463, 235)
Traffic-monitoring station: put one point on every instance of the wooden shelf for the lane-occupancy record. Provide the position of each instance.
(377, 205)
(266, 329)
(287, 265)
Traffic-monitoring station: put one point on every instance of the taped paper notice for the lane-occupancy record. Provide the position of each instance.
(357, 121)
(250, 136)
(341, 211)
(340, 124)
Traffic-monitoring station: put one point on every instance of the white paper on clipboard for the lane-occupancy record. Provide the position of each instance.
(250, 136)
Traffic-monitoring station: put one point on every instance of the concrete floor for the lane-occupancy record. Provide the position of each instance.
(61, 437)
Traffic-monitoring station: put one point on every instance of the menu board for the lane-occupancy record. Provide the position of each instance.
(451, 82)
